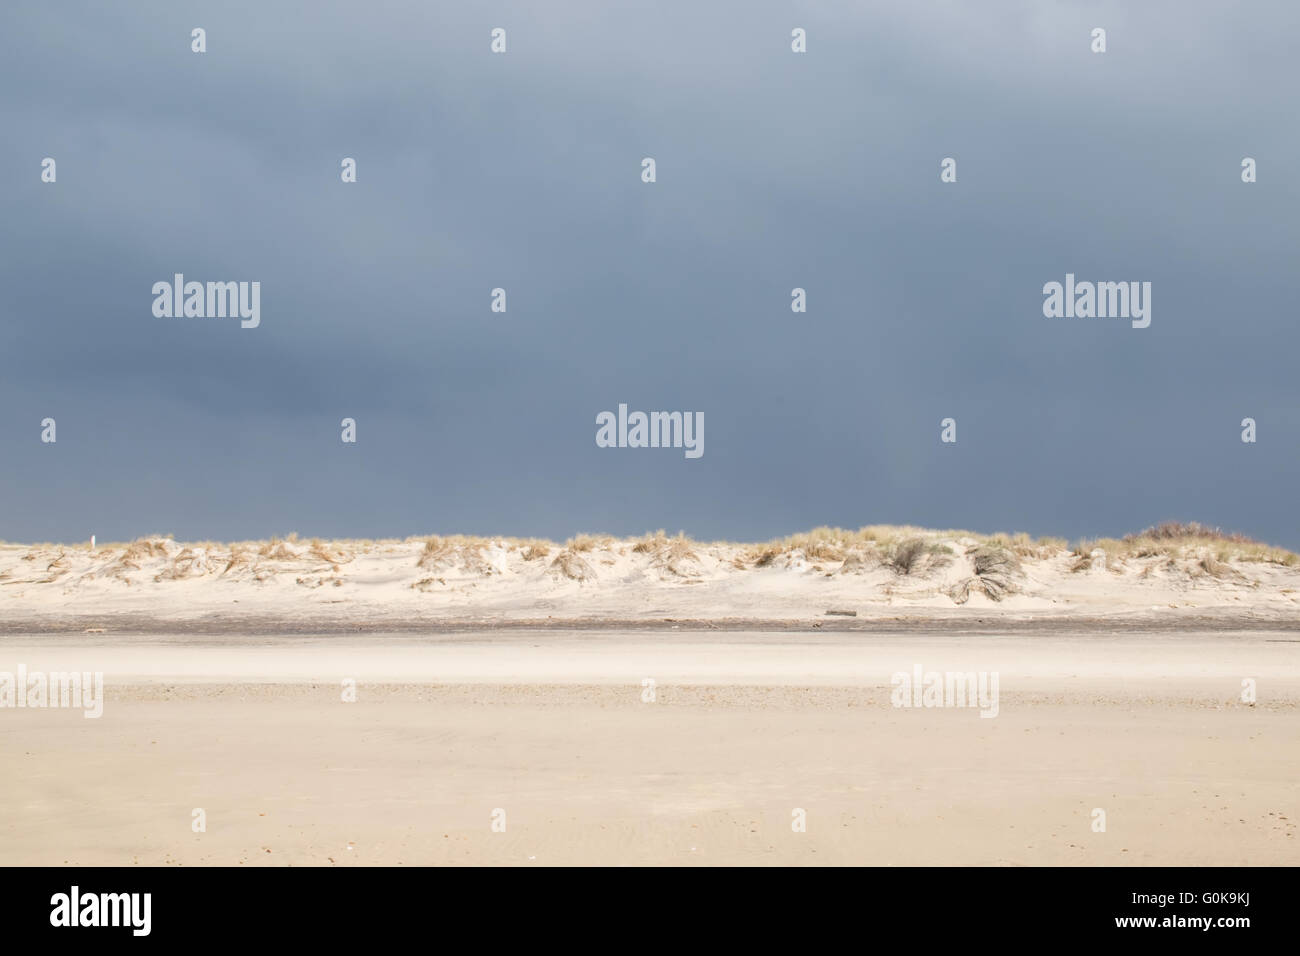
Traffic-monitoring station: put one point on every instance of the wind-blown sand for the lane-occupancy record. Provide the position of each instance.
(551, 728)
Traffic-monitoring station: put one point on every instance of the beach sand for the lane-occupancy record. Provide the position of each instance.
(746, 728)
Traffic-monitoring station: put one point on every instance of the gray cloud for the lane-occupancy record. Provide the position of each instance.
(522, 171)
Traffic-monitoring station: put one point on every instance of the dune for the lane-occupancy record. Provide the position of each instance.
(1174, 575)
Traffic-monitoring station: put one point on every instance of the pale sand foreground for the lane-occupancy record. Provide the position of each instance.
(551, 728)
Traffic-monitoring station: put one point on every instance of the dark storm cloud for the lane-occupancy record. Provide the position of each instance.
(522, 171)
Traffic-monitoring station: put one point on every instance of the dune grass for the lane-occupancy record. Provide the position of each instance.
(1178, 540)
(902, 548)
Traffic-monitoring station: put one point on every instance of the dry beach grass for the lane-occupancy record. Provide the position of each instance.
(875, 571)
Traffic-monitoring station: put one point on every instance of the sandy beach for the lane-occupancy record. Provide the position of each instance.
(550, 733)
(890, 696)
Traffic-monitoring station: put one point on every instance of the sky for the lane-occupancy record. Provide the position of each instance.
(523, 170)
